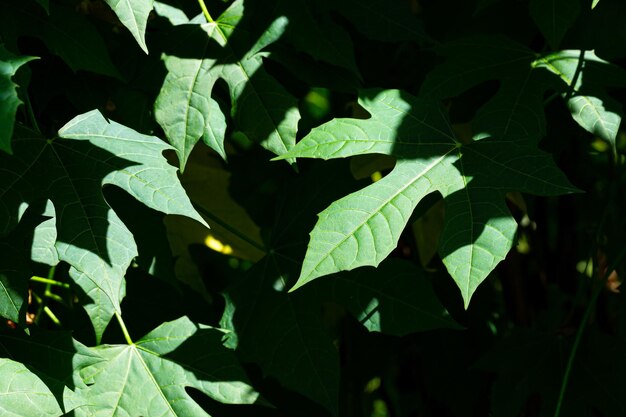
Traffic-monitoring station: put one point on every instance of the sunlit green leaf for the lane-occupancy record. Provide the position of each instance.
(23, 394)
(261, 108)
(71, 172)
(134, 15)
(149, 377)
(585, 77)
(364, 227)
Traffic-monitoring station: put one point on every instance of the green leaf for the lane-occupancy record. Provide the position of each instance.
(262, 109)
(23, 393)
(554, 18)
(14, 274)
(314, 33)
(55, 357)
(364, 227)
(387, 21)
(9, 101)
(396, 298)
(71, 172)
(594, 4)
(282, 332)
(15, 270)
(515, 112)
(74, 39)
(172, 14)
(473, 60)
(134, 15)
(149, 377)
(65, 33)
(585, 77)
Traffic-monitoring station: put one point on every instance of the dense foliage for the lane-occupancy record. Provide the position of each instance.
(330, 208)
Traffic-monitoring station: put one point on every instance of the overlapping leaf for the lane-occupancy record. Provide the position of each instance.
(55, 358)
(70, 172)
(65, 32)
(313, 32)
(134, 15)
(205, 53)
(516, 111)
(554, 18)
(149, 377)
(473, 60)
(388, 21)
(9, 101)
(363, 228)
(584, 78)
(23, 393)
(284, 332)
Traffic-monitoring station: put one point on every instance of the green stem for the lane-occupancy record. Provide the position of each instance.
(118, 316)
(52, 316)
(581, 330)
(49, 281)
(43, 303)
(577, 72)
(205, 11)
(44, 308)
(231, 229)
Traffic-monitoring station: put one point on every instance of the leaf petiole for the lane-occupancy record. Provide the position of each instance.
(205, 11)
(49, 281)
(118, 316)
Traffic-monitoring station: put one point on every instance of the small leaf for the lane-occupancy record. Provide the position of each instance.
(23, 393)
(134, 15)
(594, 116)
(149, 377)
(594, 3)
(9, 101)
(585, 77)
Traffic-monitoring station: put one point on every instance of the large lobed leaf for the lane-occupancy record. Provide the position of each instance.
(285, 333)
(364, 227)
(205, 53)
(70, 172)
(149, 377)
